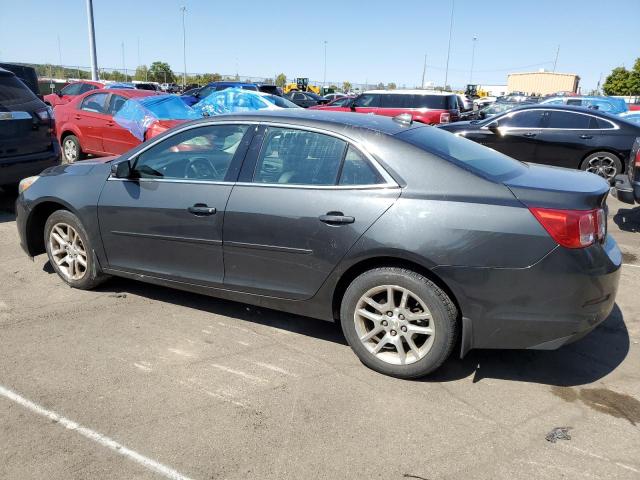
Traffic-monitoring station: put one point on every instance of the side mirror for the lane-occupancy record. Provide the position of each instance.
(121, 169)
(59, 94)
(352, 106)
(493, 126)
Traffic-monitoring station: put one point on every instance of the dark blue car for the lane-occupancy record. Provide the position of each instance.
(216, 87)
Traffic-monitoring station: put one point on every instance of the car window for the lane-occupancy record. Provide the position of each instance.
(572, 101)
(299, 96)
(560, 119)
(367, 100)
(341, 102)
(72, 89)
(298, 157)
(14, 93)
(250, 87)
(94, 103)
(526, 119)
(86, 87)
(203, 153)
(115, 104)
(357, 170)
(205, 91)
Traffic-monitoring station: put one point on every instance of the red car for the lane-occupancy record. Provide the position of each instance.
(86, 125)
(71, 91)
(424, 106)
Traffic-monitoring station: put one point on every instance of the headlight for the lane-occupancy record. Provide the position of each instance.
(25, 183)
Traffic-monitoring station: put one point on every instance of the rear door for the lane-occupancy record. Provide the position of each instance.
(566, 138)
(305, 197)
(116, 139)
(92, 120)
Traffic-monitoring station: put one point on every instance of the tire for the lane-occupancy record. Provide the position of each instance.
(439, 316)
(71, 149)
(68, 248)
(604, 164)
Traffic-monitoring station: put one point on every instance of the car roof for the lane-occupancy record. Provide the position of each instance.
(6, 72)
(323, 119)
(126, 92)
(571, 108)
(410, 92)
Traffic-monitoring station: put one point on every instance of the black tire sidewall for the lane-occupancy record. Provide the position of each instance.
(442, 311)
(90, 278)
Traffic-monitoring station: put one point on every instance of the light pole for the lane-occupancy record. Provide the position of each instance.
(473, 57)
(446, 72)
(92, 42)
(184, 47)
(324, 77)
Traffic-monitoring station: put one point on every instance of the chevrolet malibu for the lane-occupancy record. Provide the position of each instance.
(413, 238)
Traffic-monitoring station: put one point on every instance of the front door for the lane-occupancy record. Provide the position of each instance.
(366, 103)
(117, 139)
(91, 118)
(307, 200)
(166, 220)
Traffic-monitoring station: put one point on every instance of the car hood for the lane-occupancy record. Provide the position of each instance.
(77, 169)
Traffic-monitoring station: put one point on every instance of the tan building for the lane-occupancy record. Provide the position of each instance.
(542, 82)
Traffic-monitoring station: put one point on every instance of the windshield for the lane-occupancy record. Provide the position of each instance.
(470, 155)
(280, 102)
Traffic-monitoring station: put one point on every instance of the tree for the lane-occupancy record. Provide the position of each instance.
(380, 86)
(268, 81)
(141, 73)
(281, 80)
(391, 86)
(634, 79)
(161, 72)
(346, 86)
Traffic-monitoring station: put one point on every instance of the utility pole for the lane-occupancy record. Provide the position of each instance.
(473, 57)
(424, 70)
(184, 47)
(446, 72)
(92, 42)
(124, 68)
(555, 62)
(138, 53)
(59, 52)
(324, 77)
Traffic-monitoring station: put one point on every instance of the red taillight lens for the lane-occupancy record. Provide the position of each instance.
(445, 117)
(573, 228)
(637, 160)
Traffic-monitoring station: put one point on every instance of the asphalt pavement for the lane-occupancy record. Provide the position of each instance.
(135, 381)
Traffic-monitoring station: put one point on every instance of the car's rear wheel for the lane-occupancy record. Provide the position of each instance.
(70, 252)
(605, 164)
(398, 322)
(71, 150)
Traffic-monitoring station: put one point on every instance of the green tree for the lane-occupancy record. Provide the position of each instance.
(281, 80)
(346, 86)
(161, 72)
(380, 86)
(391, 86)
(141, 73)
(634, 79)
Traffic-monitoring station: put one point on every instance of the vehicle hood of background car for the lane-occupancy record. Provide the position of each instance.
(138, 114)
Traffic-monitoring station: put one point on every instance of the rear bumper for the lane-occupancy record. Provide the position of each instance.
(14, 169)
(554, 302)
(625, 190)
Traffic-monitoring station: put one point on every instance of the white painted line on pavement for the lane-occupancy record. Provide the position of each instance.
(630, 265)
(94, 436)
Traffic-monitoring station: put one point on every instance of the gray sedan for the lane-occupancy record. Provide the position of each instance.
(414, 239)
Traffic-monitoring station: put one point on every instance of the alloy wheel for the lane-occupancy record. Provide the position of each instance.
(67, 251)
(603, 165)
(394, 324)
(70, 150)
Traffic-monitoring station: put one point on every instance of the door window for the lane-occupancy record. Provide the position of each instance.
(86, 87)
(298, 157)
(299, 96)
(115, 104)
(570, 120)
(357, 170)
(341, 102)
(73, 89)
(203, 153)
(95, 103)
(367, 100)
(527, 119)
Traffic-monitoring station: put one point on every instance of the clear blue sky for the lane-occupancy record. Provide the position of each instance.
(367, 40)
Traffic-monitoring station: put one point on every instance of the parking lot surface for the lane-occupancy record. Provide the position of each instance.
(194, 387)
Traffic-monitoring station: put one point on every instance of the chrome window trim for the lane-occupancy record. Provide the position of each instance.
(614, 126)
(377, 186)
(388, 179)
(168, 180)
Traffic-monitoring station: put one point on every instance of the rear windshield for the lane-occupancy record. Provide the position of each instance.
(436, 102)
(465, 153)
(14, 94)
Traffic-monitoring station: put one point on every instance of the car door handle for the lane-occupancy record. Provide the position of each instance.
(201, 209)
(529, 134)
(586, 137)
(110, 124)
(336, 218)
(77, 117)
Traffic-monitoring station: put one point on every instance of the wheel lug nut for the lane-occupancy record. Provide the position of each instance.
(385, 323)
(390, 314)
(401, 317)
(393, 333)
(403, 328)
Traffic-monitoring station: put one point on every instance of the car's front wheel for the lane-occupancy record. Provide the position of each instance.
(70, 251)
(71, 150)
(398, 322)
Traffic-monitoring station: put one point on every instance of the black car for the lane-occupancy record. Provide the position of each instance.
(305, 99)
(270, 89)
(27, 74)
(339, 216)
(28, 141)
(627, 186)
(563, 136)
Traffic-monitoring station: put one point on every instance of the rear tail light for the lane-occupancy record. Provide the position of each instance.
(45, 114)
(573, 228)
(637, 159)
(445, 117)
